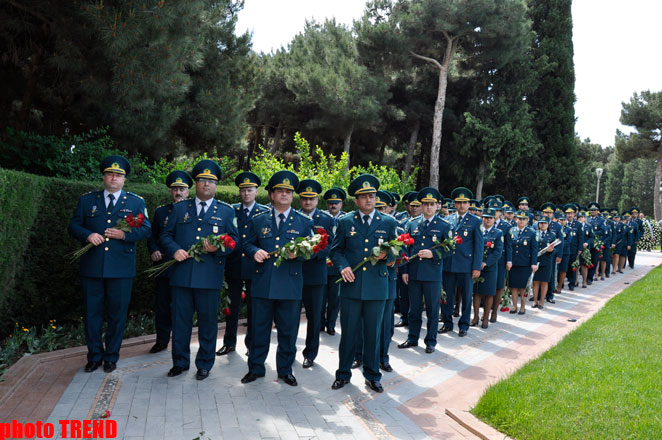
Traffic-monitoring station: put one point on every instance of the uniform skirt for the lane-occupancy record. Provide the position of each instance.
(543, 273)
(518, 277)
(489, 286)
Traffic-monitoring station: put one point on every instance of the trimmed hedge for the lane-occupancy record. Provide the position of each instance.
(37, 282)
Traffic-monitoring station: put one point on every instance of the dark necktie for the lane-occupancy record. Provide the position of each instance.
(426, 223)
(111, 204)
(366, 219)
(281, 221)
(202, 208)
(246, 212)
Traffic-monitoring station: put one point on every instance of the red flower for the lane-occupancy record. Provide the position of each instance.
(321, 231)
(226, 311)
(406, 258)
(409, 241)
(130, 220)
(574, 269)
(329, 263)
(602, 247)
(489, 244)
(525, 295)
(228, 242)
(507, 309)
(502, 309)
(105, 414)
(243, 295)
(458, 239)
(316, 249)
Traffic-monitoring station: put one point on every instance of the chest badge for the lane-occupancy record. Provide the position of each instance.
(352, 231)
(94, 209)
(465, 233)
(215, 229)
(434, 238)
(265, 231)
(524, 242)
(186, 217)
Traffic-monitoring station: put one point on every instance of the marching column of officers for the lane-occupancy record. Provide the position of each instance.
(494, 247)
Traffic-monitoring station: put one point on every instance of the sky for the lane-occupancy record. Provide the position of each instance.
(616, 47)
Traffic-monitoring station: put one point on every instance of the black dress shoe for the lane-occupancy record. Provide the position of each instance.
(571, 288)
(357, 364)
(374, 385)
(429, 349)
(473, 324)
(158, 347)
(91, 366)
(225, 350)
(339, 383)
(250, 377)
(307, 363)
(386, 367)
(288, 379)
(445, 330)
(402, 323)
(551, 301)
(202, 374)
(462, 333)
(456, 313)
(484, 325)
(330, 331)
(589, 282)
(176, 371)
(109, 367)
(408, 344)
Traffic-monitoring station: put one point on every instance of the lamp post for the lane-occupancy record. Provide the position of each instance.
(598, 172)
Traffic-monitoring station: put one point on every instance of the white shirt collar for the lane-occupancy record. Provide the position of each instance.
(250, 207)
(277, 213)
(372, 215)
(116, 194)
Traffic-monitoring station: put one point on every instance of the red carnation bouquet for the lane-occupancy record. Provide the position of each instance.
(447, 245)
(392, 247)
(304, 247)
(123, 224)
(196, 251)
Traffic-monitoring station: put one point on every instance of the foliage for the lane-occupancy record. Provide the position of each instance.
(599, 382)
(327, 170)
(35, 274)
(651, 238)
(163, 76)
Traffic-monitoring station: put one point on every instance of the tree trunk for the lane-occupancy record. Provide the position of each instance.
(411, 147)
(481, 179)
(347, 143)
(277, 136)
(656, 186)
(381, 153)
(30, 90)
(440, 103)
(253, 146)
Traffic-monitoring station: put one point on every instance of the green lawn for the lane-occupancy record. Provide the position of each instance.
(603, 381)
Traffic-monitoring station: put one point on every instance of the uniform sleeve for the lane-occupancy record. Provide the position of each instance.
(337, 253)
(167, 238)
(508, 246)
(534, 250)
(250, 242)
(76, 228)
(558, 250)
(231, 230)
(153, 240)
(144, 231)
(495, 254)
(392, 235)
(477, 262)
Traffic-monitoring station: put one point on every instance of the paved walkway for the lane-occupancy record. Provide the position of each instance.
(427, 396)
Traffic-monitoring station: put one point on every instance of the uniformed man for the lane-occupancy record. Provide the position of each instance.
(402, 289)
(463, 266)
(276, 290)
(196, 285)
(331, 304)
(179, 183)
(314, 270)
(597, 225)
(108, 268)
(523, 205)
(362, 294)
(573, 238)
(509, 213)
(424, 276)
(630, 240)
(239, 268)
(565, 263)
(382, 201)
